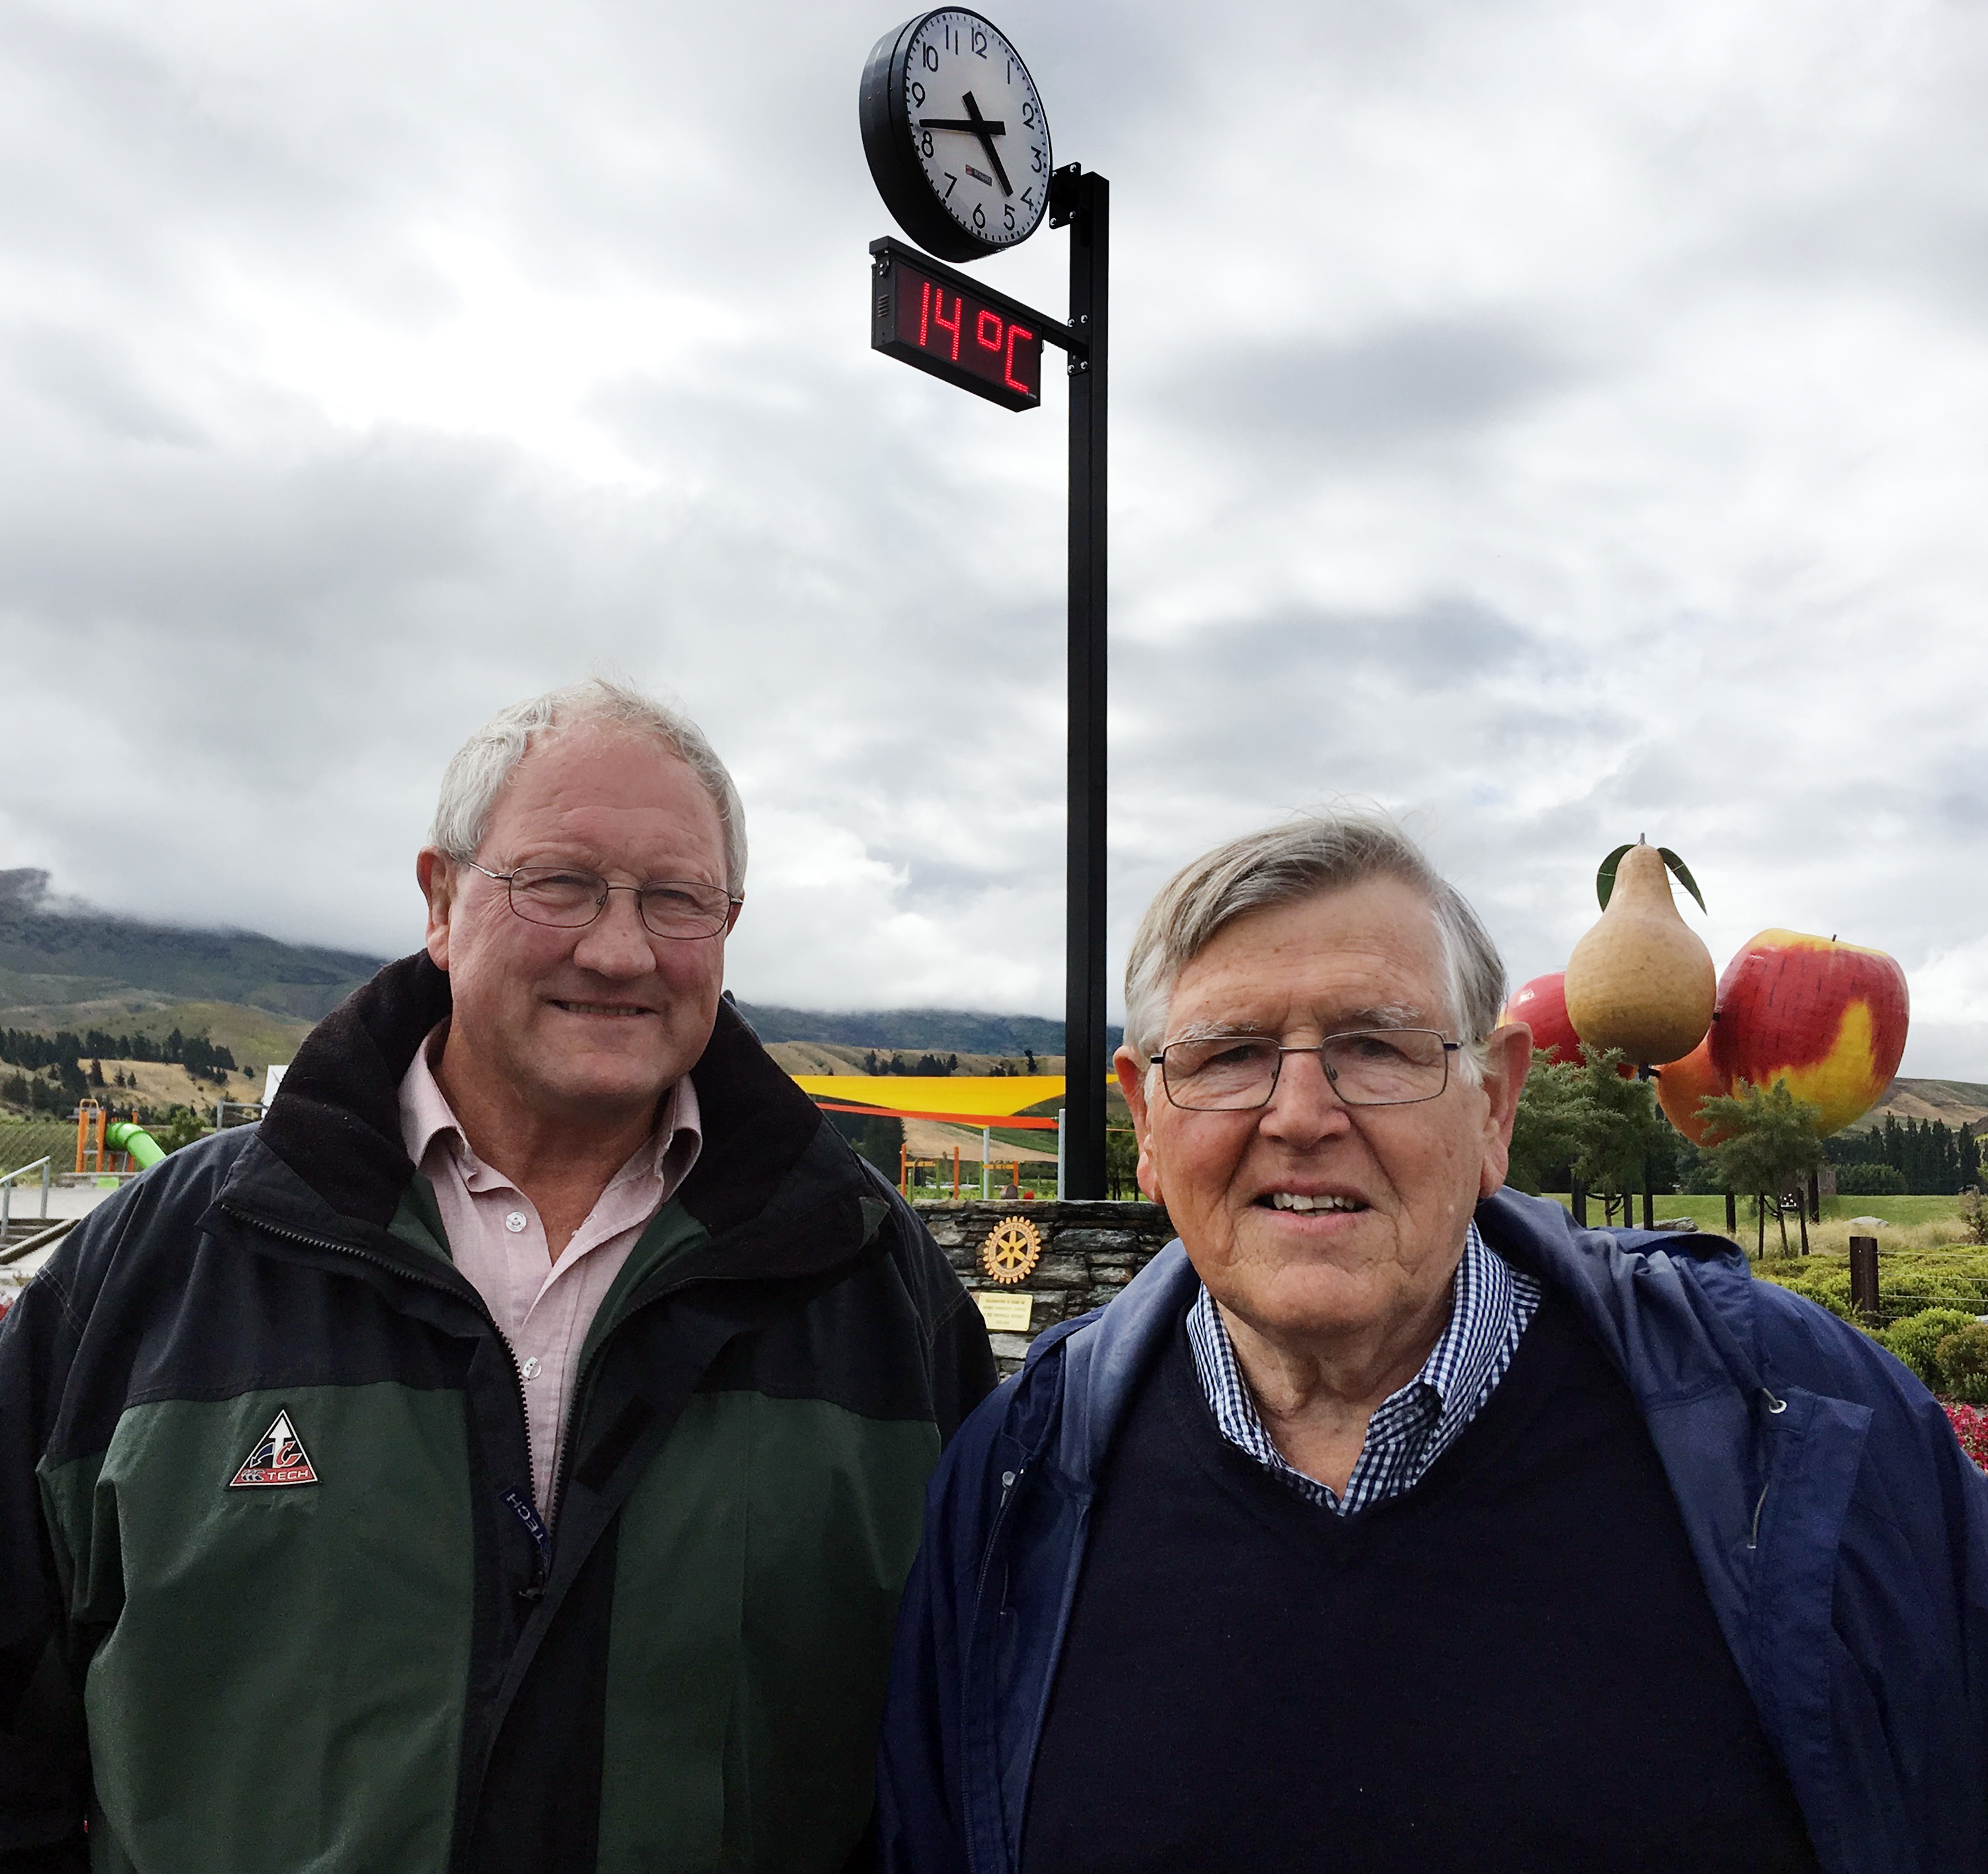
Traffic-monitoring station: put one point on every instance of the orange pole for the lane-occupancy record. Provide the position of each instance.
(956, 1174)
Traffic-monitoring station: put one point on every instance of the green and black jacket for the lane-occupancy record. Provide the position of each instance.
(393, 1669)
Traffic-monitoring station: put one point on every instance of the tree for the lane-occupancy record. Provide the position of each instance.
(1121, 1162)
(1626, 1132)
(1554, 1119)
(1608, 1130)
(1765, 1143)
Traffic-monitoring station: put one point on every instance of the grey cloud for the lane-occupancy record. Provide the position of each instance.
(1406, 384)
(1564, 552)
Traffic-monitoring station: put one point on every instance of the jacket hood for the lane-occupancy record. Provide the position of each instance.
(772, 1178)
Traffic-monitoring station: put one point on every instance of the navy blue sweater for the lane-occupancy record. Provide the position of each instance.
(1512, 1667)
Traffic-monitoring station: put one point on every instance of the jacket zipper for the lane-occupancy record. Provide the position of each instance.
(573, 1409)
(536, 1590)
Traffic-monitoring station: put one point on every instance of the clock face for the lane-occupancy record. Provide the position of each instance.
(977, 126)
(955, 135)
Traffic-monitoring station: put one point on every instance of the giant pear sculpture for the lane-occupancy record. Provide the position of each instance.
(1642, 979)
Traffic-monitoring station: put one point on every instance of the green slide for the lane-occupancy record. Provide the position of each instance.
(123, 1136)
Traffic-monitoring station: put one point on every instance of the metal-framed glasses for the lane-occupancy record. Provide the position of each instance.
(567, 897)
(1371, 1067)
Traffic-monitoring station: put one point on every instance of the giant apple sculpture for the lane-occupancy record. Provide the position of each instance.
(1681, 1085)
(1828, 1018)
(1541, 1005)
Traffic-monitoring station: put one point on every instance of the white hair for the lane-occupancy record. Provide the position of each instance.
(1282, 865)
(477, 771)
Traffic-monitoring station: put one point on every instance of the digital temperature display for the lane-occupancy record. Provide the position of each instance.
(942, 322)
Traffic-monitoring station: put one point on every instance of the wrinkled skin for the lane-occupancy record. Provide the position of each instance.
(1330, 1310)
(562, 1042)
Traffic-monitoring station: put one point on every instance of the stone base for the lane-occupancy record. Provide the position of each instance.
(1090, 1250)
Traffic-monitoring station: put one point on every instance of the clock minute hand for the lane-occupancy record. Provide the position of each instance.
(987, 134)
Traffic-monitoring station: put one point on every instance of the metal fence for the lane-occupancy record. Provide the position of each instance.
(23, 1141)
(1879, 1289)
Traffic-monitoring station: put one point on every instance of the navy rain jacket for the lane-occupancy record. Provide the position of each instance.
(1842, 1533)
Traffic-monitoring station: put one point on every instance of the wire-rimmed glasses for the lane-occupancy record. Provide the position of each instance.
(567, 897)
(1370, 1067)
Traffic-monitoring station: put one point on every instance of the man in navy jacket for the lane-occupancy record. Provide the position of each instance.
(1387, 1521)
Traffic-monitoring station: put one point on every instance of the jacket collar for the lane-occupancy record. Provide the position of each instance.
(774, 1181)
(1669, 1333)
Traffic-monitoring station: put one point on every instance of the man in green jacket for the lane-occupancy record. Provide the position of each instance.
(508, 1455)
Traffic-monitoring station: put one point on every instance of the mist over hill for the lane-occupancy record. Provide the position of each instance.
(963, 1031)
(56, 953)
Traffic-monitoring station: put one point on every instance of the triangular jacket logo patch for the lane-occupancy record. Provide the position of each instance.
(277, 1458)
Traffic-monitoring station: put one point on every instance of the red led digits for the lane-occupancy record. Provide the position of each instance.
(979, 345)
(1008, 363)
(959, 314)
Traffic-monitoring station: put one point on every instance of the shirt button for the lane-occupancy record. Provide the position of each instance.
(516, 1222)
(531, 1368)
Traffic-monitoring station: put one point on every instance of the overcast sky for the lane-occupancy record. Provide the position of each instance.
(1557, 422)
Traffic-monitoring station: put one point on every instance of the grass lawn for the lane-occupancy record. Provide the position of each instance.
(1908, 1223)
(1709, 1213)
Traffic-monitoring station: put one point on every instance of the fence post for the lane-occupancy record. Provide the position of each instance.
(1732, 1215)
(1815, 1197)
(1580, 1204)
(1863, 1278)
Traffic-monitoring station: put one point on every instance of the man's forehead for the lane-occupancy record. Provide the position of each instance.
(1339, 956)
(596, 780)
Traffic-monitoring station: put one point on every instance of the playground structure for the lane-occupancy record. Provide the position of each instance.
(982, 1101)
(910, 1165)
(111, 1147)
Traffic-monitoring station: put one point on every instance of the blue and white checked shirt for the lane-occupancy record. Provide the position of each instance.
(1490, 1304)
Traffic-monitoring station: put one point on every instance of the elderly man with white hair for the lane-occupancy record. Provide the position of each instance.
(508, 1455)
(1385, 1521)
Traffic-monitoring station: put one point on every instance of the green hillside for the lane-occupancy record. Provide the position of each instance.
(52, 959)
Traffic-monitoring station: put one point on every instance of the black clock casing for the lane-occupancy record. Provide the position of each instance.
(892, 138)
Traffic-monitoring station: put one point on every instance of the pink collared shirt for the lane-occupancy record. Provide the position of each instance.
(543, 1308)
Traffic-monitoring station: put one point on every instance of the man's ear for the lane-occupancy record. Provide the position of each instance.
(1132, 1083)
(1508, 1060)
(436, 876)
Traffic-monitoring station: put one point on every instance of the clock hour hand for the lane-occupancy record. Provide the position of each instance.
(987, 132)
(993, 126)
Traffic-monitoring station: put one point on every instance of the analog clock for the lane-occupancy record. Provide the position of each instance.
(955, 135)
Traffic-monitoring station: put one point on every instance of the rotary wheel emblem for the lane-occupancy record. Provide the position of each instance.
(1013, 1247)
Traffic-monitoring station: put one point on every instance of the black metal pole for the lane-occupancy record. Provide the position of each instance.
(1084, 201)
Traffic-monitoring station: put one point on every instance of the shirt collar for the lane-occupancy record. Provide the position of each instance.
(426, 1117)
(1448, 1387)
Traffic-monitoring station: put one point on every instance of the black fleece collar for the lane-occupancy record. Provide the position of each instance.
(773, 1181)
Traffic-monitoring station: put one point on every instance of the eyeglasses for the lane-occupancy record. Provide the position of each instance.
(566, 898)
(1373, 1067)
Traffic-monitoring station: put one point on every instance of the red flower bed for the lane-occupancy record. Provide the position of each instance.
(1971, 1427)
